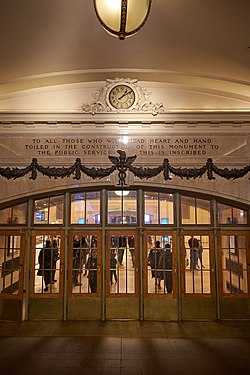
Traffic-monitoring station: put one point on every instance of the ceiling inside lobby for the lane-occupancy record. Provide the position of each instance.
(194, 43)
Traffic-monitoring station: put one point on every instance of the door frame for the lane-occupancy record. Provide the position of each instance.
(127, 305)
(160, 306)
(198, 306)
(46, 305)
(11, 305)
(84, 306)
(233, 305)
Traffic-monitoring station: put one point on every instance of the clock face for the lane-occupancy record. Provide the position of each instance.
(122, 97)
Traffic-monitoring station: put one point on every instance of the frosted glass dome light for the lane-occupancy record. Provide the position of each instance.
(122, 18)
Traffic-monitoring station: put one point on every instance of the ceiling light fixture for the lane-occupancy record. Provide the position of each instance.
(122, 18)
(122, 193)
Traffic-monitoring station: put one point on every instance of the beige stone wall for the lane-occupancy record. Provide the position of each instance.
(183, 151)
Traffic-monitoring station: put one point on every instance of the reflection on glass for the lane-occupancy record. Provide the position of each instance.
(230, 215)
(85, 264)
(195, 211)
(14, 215)
(122, 207)
(47, 264)
(234, 264)
(10, 264)
(151, 208)
(160, 264)
(197, 264)
(85, 208)
(121, 265)
(166, 208)
(158, 208)
(203, 211)
(49, 210)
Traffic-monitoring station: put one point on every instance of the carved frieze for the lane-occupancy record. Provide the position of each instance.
(122, 164)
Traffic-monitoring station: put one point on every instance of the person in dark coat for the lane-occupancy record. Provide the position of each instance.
(92, 271)
(45, 260)
(76, 261)
(122, 244)
(84, 252)
(194, 248)
(153, 262)
(131, 244)
(113, 264)
(165, 265)
(55, 258)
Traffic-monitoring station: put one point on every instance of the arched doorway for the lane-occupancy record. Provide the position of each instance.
(143, 255)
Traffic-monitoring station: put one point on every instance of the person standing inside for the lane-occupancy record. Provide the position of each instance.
(45, 260)
(55, 258)
(84, 252)
(194, 246)
(113, 264)
(165, 264)
(92, 270)
(131, 244)
(76, 261)
(199, 255)
(153, 261)
(122, 244)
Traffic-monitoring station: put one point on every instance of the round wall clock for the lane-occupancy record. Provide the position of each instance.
(122, 97)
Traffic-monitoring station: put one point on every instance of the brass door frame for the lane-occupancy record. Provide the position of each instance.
(233, 233)
(122, 305)
(198, 305)
(162, 233)
(52, 233)
(12, 305)
(81, 305)
(123, 232)
(212, 263)
(84, 232)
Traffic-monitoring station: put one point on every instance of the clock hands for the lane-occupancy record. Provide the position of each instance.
(124, 94)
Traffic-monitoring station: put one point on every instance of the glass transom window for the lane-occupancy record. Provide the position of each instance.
(159, 208)
(49, 210)
(195, 211)
(85, 208)
(122, 207)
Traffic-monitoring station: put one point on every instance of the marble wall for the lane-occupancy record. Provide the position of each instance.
(61, 149)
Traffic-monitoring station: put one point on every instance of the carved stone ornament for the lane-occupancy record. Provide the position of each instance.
(123, 164)
(102, 101)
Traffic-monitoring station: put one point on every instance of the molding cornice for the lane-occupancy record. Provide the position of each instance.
(172, 123)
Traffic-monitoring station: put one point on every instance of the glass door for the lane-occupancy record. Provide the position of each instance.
(47, 275)
(160, 270)
(122, 275)
(12, 245)
(234, 266)
(84, 275)
(198, 276)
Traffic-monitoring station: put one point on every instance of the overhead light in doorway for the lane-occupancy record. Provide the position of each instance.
(122, 18)
(122, 193)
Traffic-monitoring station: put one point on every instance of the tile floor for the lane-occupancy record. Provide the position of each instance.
(125, 348)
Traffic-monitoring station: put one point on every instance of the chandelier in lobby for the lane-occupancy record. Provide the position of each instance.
(122, 18)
